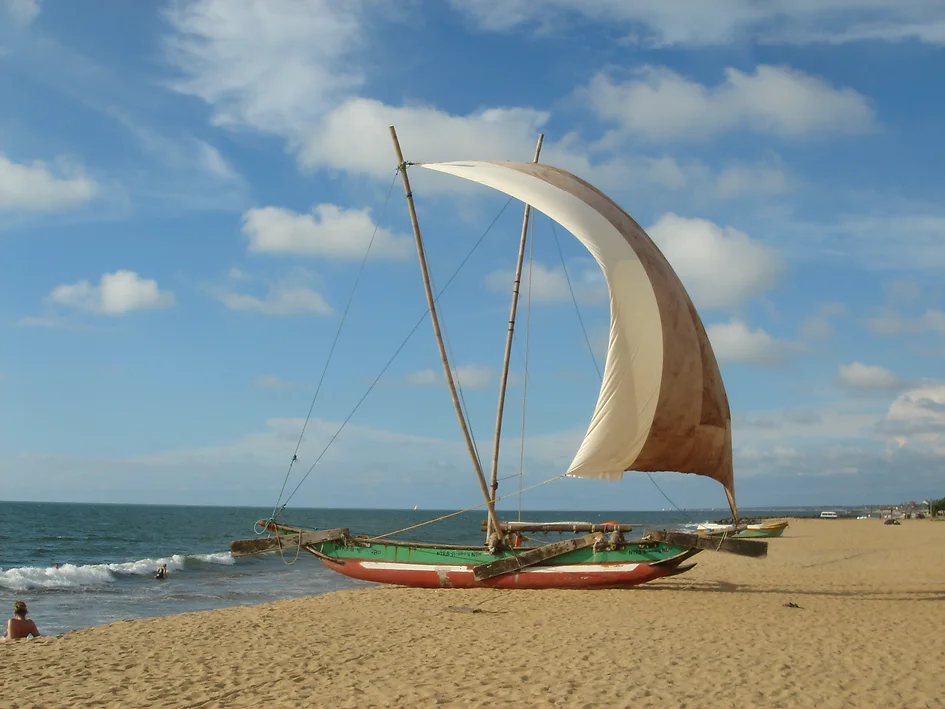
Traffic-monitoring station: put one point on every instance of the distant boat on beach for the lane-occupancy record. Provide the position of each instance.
(662, 406)
(764, 530)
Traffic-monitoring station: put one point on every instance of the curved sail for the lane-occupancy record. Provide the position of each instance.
(662, 404)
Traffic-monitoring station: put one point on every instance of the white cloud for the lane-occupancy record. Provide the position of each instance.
(916, 419)
(818, 326)
(186, 155)
(329, 230)
(270, 382)
(787, 457)
(369, 466)
(467, 376)
(741, 180)
(473, 376)
(354, 136)
(697, 23)
(34, 187)
(425, 378)
(213, 163)
(550, 285)
(53, 322)
(21, 12)
(116, 294)
(288, 296)
(857, 375)
(889, 447)
(888, 30)
(272, 66)
(660, 104)
(883, 242)
(287, 67)
(259, 66)
(736, 343)
(836, 421)
(902, 290)
(890, 322)
(720, 267)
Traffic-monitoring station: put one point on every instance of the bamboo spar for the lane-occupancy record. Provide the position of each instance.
(402, 166)
(504, 379)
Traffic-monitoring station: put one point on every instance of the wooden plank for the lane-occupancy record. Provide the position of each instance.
(511, 527)
(260, 545)
(533, 556)
(732, 545)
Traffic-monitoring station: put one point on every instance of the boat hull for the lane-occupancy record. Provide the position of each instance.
(764, 532)
(432, 566)
(754, 531)
(574, 576)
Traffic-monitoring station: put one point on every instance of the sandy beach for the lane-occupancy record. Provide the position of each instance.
(870, 631)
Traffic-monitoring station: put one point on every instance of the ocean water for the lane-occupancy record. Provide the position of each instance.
(108, 554)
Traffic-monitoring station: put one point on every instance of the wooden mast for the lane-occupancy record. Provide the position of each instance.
(402, 166)
(503, 380)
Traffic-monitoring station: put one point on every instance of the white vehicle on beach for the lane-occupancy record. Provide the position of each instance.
(828, 515)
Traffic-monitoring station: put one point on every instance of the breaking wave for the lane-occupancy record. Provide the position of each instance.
(68, 576)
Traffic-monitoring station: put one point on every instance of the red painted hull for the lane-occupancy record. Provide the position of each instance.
(586, 576)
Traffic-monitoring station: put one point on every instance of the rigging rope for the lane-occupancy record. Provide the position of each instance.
(334, 342)
(574, 300)
(396, 353)
(458, 382)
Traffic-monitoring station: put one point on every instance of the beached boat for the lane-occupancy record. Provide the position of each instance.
(756, 531)
(662, 406)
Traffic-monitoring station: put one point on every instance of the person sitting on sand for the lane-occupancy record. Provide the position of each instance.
(18, 626)
(161, 572)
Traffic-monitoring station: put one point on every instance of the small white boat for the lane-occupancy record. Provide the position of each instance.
(765, 529)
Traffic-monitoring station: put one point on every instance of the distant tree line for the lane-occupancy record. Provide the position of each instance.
(938, 505)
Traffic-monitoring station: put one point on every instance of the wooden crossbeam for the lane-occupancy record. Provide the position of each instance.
(732, 545)
(508, 564)
(575, 527)
(260, 545)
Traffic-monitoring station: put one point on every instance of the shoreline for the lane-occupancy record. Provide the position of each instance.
(719, 635)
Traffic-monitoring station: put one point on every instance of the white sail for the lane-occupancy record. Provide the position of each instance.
(662, 404)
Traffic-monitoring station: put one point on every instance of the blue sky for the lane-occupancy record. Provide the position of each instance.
(187, 190)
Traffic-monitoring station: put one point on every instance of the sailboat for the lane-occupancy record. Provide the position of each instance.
(662, 407)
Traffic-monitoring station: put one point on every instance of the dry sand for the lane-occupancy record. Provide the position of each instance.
(870, 632)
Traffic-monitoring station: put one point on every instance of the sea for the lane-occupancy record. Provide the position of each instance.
(107, 555)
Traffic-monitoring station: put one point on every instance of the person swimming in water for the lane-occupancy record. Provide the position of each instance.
(161, 572)
(18, 626)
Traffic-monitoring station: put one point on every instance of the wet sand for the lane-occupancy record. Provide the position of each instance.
(870, 631)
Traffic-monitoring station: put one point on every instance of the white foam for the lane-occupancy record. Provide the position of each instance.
(222, 557)
(24, 578)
